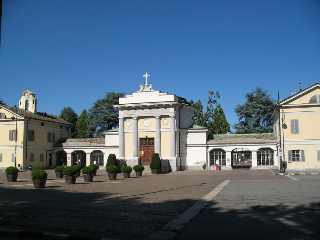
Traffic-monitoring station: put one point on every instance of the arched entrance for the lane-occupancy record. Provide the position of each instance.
(61, 158)
(241, 158)
(96, 157)
(218, 155)
(79, 158)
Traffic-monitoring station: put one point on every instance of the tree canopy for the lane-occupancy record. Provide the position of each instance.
(82, 125)
(255, 114)
(103, 116)
(70, 116)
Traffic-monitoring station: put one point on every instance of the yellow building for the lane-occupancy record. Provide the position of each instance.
(298, 131)
(27, 136)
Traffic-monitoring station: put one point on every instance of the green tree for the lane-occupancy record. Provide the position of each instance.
(198, 116)
(209, 114)
(255, 114)
(1, 102)
(70, 116)
(103, 116)
(82, 125)
(220, 124)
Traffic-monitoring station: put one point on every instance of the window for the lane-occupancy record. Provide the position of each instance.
(12, 135)
(296, 156)
(2, 116)
(51, 137)
(218, 154)
(265, 156)
(0, 157)
(42, 124)
(41, 157)
(30, 135)
(315, 99)
(294, 126)
(31, 157)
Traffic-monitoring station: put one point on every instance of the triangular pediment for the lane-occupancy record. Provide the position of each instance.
(305, 96)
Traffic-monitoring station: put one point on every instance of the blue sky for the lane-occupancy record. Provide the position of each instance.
(71, 52)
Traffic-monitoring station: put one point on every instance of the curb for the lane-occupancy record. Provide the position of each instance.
(40, 235)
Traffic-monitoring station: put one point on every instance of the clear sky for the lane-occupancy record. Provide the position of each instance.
(70, 52)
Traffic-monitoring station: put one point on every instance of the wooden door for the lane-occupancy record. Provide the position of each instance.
(146, 150)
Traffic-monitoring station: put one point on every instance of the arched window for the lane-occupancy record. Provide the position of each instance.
(218, 154)
(97, 158)
(265, 156)
(315, 99)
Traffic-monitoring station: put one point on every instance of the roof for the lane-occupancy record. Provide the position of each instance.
(37, 116)
(80, 142)
(243, 138)
(195, 126)
(295, 96)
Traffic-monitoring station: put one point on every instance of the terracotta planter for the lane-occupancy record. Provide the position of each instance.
(155, 171)
(139, 174)
(39, 183)
(88, 178)
(12, 177)
(112, 176)
(70, 179)
(59, 174)
(126, 174)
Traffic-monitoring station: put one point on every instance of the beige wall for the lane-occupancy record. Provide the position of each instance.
(305, 98)
(128, 144)
(165, 144)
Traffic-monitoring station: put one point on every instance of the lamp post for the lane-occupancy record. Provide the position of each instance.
(16, 138)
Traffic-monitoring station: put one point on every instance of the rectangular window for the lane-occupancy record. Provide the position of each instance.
(51, 137)
(41, 157)
(13, 135)
(296, 156)
(30, 135)
(31, 157)
(294, 126)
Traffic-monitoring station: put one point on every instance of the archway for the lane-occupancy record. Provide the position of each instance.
(61, 158)
(96, 157)
(218, 155)
(79, 158)
(241, 158)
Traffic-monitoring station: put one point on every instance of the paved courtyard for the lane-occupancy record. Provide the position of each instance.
(250, 203)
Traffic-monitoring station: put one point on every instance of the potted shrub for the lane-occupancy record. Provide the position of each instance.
(39, 178)
(155, 164)
(126, 171)
(70, 174)
(112, 160)
(95, 168)
(36, 167)
(78, 169)
(58, 170)
(88, 173)
(138, 169)
(12, 174)
(112, 171)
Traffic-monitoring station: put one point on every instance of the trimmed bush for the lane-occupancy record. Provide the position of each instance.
(155, 161)
(38, 174)
(37, 167)
(69, 171)
(126, 169)
(112, 169)
(112, 160)
(59, 168)
(11, 170)
(94, 166)
(77, 167)
(138, 168)
(88, 170)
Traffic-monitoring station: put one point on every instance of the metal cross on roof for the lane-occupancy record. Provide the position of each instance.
(146, 77)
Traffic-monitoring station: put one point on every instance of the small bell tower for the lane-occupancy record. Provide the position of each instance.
(28, 101)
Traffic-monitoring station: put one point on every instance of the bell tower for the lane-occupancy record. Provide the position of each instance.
(28, 101)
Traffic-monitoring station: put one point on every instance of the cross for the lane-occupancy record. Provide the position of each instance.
(146, 76)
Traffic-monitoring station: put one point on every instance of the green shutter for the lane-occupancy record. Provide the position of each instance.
(289, 156)
(10, 135)
(302, 156)
(0, 157)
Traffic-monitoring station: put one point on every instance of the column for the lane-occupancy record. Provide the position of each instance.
(88, 159)
(254, 159)
(158, 137)
(135, 137)
(121, 138)
(69, 159)
(172, 137)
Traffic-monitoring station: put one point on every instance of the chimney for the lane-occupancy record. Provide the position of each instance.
(300, 87)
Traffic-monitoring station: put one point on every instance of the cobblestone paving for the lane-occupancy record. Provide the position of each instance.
(123, 208)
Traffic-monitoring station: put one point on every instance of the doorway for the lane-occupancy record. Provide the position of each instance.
(146, 150)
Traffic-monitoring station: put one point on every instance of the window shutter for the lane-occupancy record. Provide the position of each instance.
(289, 156)
(12, 157)
(53, 137)
(302, 156)
(10, 135)
(292, 125)
(318, 155)
(0, 157)
(296, 125)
